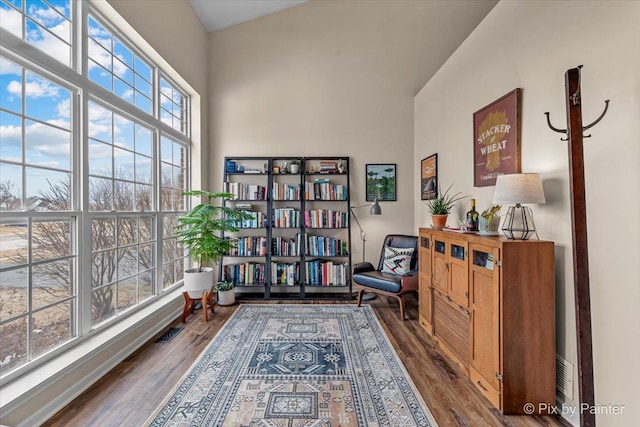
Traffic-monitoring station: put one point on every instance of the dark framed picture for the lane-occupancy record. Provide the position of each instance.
(381, 182)
(429, 177)
(496, 139)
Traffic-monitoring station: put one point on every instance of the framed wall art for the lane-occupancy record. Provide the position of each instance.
(381, 182)
(429, 177)
(496, 139)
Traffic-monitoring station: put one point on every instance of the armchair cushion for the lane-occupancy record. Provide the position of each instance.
(397, 260)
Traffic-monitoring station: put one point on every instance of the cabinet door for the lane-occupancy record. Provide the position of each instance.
(457, 253)
(440, 267)
(485, 326)
(424, 292)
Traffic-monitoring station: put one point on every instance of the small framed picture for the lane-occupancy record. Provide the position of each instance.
(429, 177)
(381, 182)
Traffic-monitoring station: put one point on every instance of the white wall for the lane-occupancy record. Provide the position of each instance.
(530, 44)
(333, 78)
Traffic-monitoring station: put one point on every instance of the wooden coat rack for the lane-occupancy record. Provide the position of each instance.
(575, 136)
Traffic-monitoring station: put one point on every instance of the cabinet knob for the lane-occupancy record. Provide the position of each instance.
(481, 386)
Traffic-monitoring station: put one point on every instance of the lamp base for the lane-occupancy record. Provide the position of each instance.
(518, 224)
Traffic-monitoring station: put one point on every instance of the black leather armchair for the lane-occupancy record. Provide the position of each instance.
(367, 278)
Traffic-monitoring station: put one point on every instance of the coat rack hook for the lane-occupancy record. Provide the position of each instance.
(606, 107)
(553, 128)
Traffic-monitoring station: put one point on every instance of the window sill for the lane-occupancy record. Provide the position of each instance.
(27, 400)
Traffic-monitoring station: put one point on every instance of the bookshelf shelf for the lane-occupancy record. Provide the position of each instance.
(305, 217)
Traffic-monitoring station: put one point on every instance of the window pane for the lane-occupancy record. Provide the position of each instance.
(48, 190)
(100, 159)
(124, 196)
(103, 268)
(103, 234)
(102, 304)
(51, 327)
(127, 262)
(100, 194)
(145, 281)
(127, 293)
(10, 86)
(100, 123)
(49, 18)
(127, 231)
(44, 40)
(144, 140)
(124, 163)
(47, 146)
(51, 239)
(123, 132)
(14, 293)
(145, 257)
(122, 52)
(13, 351)
(143, 198)
(51, 282)
(47, 101)
(145, 229)
(10, 187)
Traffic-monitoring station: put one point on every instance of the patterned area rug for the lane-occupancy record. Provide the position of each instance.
(289, 365)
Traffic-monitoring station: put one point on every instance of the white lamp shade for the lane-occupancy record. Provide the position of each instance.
(519, 188)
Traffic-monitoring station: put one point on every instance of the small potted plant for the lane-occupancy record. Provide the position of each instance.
(441, 206)
(226, 293)
(489, 220)
(294, 166)
(200, 232)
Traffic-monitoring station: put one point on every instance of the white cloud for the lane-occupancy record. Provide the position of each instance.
(34, 89)
(11, 20)
(8, 67)
(63, 109)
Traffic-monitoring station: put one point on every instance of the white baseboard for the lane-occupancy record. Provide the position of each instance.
(93, 359)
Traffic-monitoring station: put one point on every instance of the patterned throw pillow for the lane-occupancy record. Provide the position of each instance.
(397, 260)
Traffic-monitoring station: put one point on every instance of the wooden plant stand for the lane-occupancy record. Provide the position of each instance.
(189, 304)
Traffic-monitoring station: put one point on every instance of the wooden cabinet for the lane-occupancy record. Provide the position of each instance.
(424, 290)
(492, 311)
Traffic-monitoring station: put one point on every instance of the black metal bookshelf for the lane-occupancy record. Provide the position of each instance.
(305, 212)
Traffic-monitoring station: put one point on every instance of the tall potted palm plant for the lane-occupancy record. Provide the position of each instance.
(200, 232)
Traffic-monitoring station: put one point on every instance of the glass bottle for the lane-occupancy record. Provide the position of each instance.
(472, 217)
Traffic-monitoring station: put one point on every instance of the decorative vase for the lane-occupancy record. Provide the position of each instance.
(489, 227)
(438, 221)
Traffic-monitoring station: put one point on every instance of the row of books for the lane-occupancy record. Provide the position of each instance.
(249, 246)
(326, 273)
(318, 273)
(247, 273)
(242, 191)
(285, 191)
(286, 217)
(326, 218)
(257, 220)
(326, 246)
(285, 273)
(323, 189)
(281, 246)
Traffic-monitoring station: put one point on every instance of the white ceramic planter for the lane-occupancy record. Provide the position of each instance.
(227, 297)
(294, 168)
(196, 282)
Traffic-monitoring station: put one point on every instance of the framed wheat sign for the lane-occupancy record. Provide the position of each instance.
(429, 177)
(496, 139)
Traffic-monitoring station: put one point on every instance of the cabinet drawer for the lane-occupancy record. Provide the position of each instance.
(451, 324)
(485, 388)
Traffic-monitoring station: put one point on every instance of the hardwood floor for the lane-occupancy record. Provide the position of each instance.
(128, 394)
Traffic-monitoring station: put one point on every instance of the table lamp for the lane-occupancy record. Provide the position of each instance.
(519, 188)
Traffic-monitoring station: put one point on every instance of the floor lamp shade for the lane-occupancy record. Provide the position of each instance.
(519, 188)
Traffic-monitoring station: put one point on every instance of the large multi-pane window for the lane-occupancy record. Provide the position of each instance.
(93, 165)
